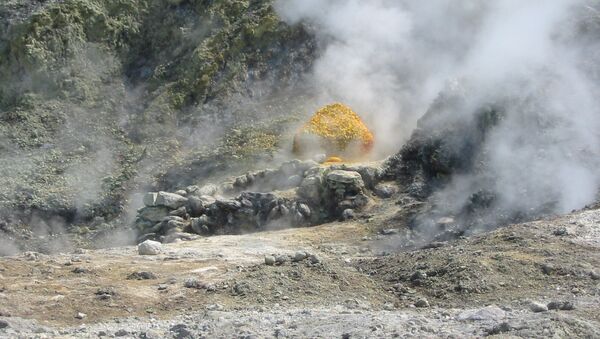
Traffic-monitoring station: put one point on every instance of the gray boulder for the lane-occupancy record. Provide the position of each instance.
(173, 222)
(183, 193)
(170, 200)
(153, 214)
(311, 188)
(348, 214)
(180, 212)
(150, 199)
(538, 307)
(345, 178)
(299, 256)
(206, 190)
(345, 189)
(149, 247)
(269, 260)
(371, 174)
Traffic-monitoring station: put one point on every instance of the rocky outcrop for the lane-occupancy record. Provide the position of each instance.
(448, 140)
(298, 193)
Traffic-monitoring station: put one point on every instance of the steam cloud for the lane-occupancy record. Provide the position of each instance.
(537, 59)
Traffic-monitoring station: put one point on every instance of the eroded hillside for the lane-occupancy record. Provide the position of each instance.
(98, 99)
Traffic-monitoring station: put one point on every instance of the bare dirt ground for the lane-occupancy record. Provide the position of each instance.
(363, 285)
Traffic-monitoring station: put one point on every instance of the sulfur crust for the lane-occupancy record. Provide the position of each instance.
(337, 123)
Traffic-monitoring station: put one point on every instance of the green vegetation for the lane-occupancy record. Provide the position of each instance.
(100, 98)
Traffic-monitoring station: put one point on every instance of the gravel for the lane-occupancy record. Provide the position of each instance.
(334, 322)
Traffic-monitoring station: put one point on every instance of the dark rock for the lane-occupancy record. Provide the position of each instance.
(384, 191)
(561, 305)
(304, 210)
(106, 293)
(121, 333)
(422, 303)
(314, 259)
(435, 244)
(180, 212)
(499, 328)
(195, 283)
(548, 269)
(241, 288)
(279, 211)
(560, 231)
(418, 277)
(173, 223)
(81, 270)
(142, 275)
(201, 225)
(181, 331)
(199, 204)
(4, 324)
(281, 259)
(228, 204)
(246, 203)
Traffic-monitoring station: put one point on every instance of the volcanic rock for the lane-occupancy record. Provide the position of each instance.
(170, 200)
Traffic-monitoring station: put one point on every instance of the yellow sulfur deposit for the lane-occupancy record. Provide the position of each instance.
(336, 130)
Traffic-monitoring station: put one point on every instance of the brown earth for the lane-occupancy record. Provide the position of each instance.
(554, 259)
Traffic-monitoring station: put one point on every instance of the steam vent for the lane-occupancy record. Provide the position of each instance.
(335, 130)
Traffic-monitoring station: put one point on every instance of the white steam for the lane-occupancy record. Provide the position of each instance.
(386, 59)
(390, 59)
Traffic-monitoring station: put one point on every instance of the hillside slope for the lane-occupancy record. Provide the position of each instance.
(97, 99)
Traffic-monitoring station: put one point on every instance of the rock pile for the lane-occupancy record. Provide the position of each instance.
(298, 193)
